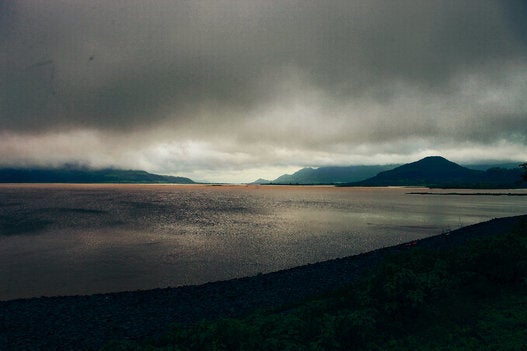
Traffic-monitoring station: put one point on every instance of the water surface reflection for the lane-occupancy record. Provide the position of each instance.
(81, 239)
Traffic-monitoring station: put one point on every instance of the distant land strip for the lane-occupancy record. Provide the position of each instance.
(81, 175)
(466, 194)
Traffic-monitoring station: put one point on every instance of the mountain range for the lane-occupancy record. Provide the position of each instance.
(433, 171)
(84, 175)
(328, 175)
(436, 171)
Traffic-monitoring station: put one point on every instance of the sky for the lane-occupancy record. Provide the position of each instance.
(231, 91)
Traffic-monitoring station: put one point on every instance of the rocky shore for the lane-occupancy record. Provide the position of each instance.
(88, 322)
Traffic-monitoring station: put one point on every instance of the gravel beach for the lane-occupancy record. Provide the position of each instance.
(88, 322)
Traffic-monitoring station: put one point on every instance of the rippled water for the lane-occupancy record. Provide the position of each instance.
(81, 239)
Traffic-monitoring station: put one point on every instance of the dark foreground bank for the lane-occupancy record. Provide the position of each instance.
(88, 322)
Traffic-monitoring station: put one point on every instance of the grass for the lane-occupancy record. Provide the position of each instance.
(472, 297)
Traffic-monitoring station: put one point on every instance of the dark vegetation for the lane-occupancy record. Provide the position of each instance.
(524, 167)
(438, 172)
(84, 175)
(470, 297)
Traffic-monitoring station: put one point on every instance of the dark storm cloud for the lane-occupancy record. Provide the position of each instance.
(116, 63)
(302, 75)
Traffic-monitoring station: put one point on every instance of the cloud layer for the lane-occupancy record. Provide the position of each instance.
(225, 90)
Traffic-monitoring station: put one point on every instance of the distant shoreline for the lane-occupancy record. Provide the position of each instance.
(466, 194)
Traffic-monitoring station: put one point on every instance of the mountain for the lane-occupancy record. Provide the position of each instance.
(261, 181)
(487, 166)
(84, 175)
(436, 171)
(331, 175)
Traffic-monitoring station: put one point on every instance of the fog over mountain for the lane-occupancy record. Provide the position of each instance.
(237, 90)
(82, 175)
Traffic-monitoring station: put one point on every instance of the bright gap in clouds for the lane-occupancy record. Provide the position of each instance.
(208, 163)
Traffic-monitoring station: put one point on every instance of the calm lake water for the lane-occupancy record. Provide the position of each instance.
(83, 239)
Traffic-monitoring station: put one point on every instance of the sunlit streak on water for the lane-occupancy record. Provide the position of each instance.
(80, 239)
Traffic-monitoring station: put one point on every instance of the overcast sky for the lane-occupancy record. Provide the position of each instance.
(237, 90)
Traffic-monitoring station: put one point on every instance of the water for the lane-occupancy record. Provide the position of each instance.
(83, 239)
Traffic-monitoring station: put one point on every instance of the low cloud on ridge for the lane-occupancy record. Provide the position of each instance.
(230, 90)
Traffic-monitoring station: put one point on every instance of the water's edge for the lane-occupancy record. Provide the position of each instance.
(87, 322)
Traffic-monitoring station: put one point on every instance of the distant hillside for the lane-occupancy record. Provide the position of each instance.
(484, 167)
(261, 181)
(436, 171)
(329, 175)
(84, 175)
